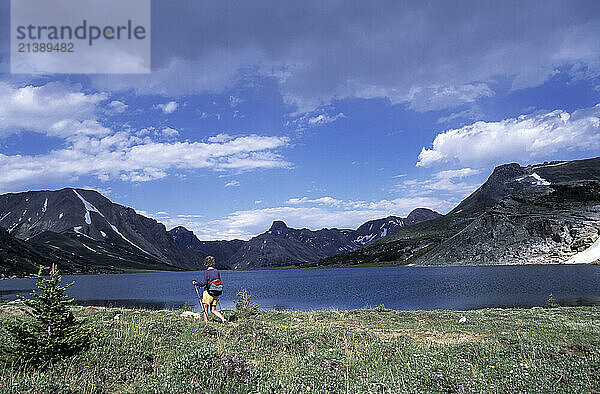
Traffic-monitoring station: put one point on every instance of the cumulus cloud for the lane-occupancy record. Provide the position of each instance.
(449, 186)
(90, 148)
(54, 109)
(135, 159)
(405, 51)
(116, 107)
(526, 138)
(170, 132)
(459, 173)
(168, 108)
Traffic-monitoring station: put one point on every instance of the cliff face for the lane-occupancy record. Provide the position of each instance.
(538, 214)
(544, 230)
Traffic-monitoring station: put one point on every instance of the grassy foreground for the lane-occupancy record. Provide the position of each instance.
(494, 350)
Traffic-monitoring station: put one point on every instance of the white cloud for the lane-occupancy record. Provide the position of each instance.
(470, 114)
(54, 109)
(90, 148)
(525, 138)
(234, 101)
(116, 107)
(136, 159)
(321, 201)
(168, 108)
(324, 119)
(220, 138)
(207, 115)
(449, 186)
(439, 97)
(170, 132)
(315, 117)
(460, 173)
(233, 183)
(398, 206)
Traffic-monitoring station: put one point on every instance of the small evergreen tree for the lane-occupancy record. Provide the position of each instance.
(551, 303)
(52, 332)
(244, 306)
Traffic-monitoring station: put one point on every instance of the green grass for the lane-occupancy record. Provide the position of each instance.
(495, 350)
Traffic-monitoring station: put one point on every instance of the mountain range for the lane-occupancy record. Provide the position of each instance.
(538, 214)
(83, 231)
(544, 213)
(282, 245)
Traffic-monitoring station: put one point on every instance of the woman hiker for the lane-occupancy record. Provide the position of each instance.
(209, 302)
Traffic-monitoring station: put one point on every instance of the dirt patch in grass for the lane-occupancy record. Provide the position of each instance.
(447, 338)
(423, 318)
(14, 310)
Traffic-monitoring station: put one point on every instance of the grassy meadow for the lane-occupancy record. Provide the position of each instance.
(378, 350)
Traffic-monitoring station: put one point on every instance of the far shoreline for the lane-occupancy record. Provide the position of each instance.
(293, 267)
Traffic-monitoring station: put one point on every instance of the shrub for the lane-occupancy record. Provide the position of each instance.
(52, 331)
(244, 306)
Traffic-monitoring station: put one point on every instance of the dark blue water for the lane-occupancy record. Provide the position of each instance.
(406, 288)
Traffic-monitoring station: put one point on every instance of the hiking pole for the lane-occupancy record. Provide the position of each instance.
(204, 312)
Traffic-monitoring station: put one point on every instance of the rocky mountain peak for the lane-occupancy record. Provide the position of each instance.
(507, 172)
(421, 214)
(278, 227)
(180, 230)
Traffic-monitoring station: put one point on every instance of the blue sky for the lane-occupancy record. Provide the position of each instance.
(319, 114)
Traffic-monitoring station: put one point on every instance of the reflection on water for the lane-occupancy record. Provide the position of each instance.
(406, 288)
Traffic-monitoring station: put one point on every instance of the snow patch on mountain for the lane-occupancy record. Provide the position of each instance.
(88, 208)
(537, 180)
(589, 255)
(364, 239)
(91, 208)
(45, 207)
(116, 230)
(87, 247)
(540, 181)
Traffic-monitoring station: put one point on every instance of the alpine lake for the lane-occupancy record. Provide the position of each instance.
(400, 288)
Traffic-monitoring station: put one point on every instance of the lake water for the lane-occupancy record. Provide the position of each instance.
(406, 288)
